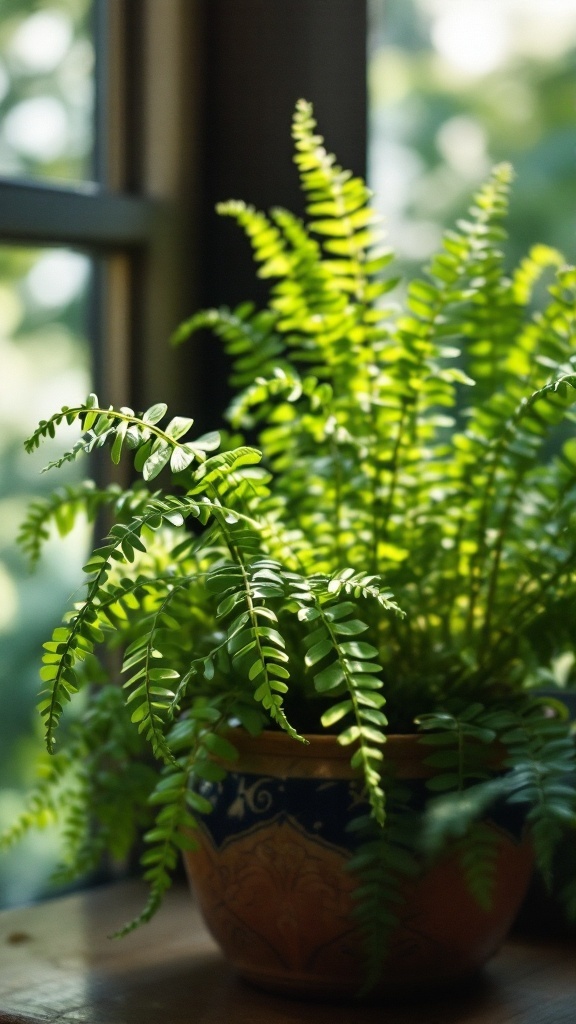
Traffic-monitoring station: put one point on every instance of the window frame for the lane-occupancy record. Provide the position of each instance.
(132, 220)
(176, 80)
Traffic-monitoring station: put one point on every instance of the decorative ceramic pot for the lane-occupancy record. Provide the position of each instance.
(271, 880)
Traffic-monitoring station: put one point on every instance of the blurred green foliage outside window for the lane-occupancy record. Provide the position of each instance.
(46, 135)
(46, 89)
(45, 362)
(458, 85)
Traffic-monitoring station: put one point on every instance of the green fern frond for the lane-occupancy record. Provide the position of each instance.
(171, 833)
(268, 243)
(41, 805)
(459, 743)
(478, 854)
(177, 801)
(530, 270)
(349, 671)
(542, 763)
(155, 447)
(337, 201)
(65, 504)
(72, 643)
(254, 643)
(249, 337)
(384, 864)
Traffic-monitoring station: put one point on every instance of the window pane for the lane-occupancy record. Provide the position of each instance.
(458, 85)
(46, 89)
(44, 355)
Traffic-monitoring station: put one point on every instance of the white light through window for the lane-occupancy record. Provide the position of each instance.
(38, 128)
(57, 278)
(473, 38)
(42, 41)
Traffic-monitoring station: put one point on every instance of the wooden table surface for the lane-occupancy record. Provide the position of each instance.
(57, 964)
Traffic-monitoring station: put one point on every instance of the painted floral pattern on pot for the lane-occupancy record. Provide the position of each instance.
(320, 808)
(270, 877)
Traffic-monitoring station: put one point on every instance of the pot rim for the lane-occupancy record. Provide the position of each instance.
(319, 745)
(322, 755)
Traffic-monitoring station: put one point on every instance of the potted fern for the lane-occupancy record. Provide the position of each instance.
(385, 574)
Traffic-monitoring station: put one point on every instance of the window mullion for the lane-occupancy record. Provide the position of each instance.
(86, 217)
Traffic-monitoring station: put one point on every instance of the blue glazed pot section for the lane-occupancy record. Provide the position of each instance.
(321, 807)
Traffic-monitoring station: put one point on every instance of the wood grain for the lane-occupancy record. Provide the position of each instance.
(58, 964)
